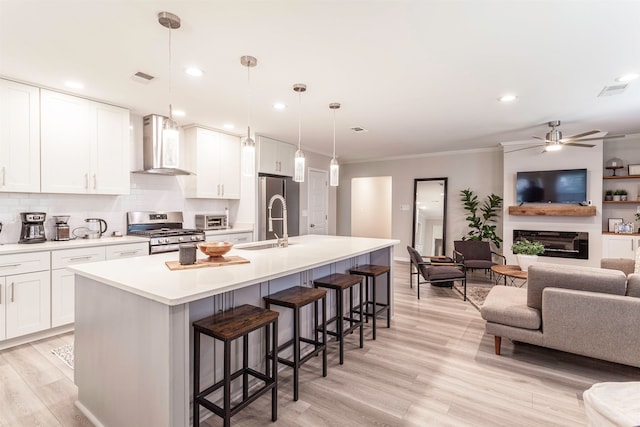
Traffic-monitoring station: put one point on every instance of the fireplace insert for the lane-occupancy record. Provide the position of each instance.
(562, 244)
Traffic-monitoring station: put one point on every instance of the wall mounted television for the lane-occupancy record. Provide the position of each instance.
(552, 186)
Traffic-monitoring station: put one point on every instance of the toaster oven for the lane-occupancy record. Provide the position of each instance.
(211, 222)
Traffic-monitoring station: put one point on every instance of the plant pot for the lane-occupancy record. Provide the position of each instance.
(623, 198)
(524, 261)
(616, 198)
(608, 198)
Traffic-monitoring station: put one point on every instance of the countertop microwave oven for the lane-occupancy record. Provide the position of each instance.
(212, 222)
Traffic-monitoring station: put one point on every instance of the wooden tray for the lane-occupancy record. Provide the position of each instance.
(208, 262)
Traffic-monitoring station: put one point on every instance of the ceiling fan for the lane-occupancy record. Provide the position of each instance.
(553, 140)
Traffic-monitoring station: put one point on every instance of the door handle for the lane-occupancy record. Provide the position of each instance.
(13, 287)
(9, 265)
(127, 253)
(78, 258)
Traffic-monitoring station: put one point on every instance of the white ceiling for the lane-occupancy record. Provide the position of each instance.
(421, 76)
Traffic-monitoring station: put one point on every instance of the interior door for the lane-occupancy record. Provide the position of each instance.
(318, 201)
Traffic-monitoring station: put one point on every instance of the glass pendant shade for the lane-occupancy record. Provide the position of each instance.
(334, 173)
(248, 156)
(298, 167)
(170, 143)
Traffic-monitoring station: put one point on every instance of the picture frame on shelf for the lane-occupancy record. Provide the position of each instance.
(612, 224)
(634, 169)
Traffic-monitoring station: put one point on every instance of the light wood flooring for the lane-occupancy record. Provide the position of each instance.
(434, 367)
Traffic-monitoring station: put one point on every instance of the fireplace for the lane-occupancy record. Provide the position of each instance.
(562, 244)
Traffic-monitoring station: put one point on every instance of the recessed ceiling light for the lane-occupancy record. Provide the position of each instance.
(178, 113)
(279, 106)
(228, 126)
(507, 98)
(74, 85)
(193, 71)
(628, 77)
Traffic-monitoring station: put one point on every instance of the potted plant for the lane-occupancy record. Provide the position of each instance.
(623, 195)
(527, 252)
(616, 196)
(608, 195)
(482, 226)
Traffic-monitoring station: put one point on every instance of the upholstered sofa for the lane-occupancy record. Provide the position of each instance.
(594, 312)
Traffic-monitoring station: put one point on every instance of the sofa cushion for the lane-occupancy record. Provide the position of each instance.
(543, 275)
(633, 286)
(508, 306)
(626, 265)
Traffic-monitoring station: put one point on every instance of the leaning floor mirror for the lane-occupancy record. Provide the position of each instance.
(430, 216)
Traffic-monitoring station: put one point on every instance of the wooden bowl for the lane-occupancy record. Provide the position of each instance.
(215, 249)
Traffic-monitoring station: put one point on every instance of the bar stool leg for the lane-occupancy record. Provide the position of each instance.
(361, 324)
(324, 335)
(227, 384)
(266, 344)
(245, 365)
(196, 378)
(274, 390)
(375, 307)
(339, 325)
(388, 299)
(296, 351)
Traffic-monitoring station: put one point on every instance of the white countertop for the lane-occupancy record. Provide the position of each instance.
(51, 245)
(149, 277)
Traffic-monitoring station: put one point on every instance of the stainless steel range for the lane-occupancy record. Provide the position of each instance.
(164, 230)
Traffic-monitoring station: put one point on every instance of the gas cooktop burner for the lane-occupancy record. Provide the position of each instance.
(164, 232)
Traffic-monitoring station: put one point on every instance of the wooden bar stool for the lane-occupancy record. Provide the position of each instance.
(228, 326)
(339, 283)
(372, 306)
(296, 298)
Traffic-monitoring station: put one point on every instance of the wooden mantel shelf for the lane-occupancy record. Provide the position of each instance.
(553, 210)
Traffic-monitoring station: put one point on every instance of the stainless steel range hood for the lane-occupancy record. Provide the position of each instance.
(158, 159)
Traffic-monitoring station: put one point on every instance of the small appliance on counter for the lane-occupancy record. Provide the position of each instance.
(61, 229)
(95, 226)
(32, 227)
(212, 222)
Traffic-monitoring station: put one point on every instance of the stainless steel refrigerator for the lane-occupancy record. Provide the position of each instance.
(268, 186)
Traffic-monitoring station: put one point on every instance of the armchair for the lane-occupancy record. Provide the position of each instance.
(437, 272)
(475, 254)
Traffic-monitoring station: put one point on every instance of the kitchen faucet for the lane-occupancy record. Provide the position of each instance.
(284, 241)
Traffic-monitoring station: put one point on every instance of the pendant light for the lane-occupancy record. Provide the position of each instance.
(334, 167)
(170, 133)
(298, 170)
(248, 144)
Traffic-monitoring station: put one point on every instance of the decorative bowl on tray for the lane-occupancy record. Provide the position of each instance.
(215, 249)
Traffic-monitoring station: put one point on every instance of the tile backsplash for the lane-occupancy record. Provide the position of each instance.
(148, 193)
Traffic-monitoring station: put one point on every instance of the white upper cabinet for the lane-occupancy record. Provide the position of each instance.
(84, 146)
(276, 157)
(19, 137)
(214, 157)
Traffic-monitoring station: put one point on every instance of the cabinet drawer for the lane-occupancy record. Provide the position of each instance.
(235, 238)
(61, 259)
(24, 263)
(127, 251)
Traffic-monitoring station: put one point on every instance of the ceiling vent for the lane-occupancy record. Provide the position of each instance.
(358, 129)
(613, 90)
(141, 77)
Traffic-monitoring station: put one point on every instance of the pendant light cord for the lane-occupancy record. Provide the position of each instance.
(334, 133)
(299, 119)
(170, 76)
(248, 99)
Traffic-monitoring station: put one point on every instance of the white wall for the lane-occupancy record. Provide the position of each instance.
(369, 195)
(534, 159)
(480, 170)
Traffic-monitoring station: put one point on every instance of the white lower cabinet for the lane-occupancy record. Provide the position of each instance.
(62, 297)
(619, 246)
(127, 250)
(3, 309)
(28, 307)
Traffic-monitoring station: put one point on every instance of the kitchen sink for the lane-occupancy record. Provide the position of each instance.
(261, 247)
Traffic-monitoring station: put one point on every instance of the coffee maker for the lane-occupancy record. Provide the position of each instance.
(32, 227)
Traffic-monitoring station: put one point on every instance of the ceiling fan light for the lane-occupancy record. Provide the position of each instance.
(553, 147)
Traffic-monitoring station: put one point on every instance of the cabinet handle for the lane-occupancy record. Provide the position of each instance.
(4, 176)
(13, 287)
(78, 258)
(242, 239)
(86, 181)
(9, 265)
(127, 253)
(95, 181)
(222, 190)
(0, 295)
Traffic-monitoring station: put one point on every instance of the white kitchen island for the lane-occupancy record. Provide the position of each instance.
(133, 321)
